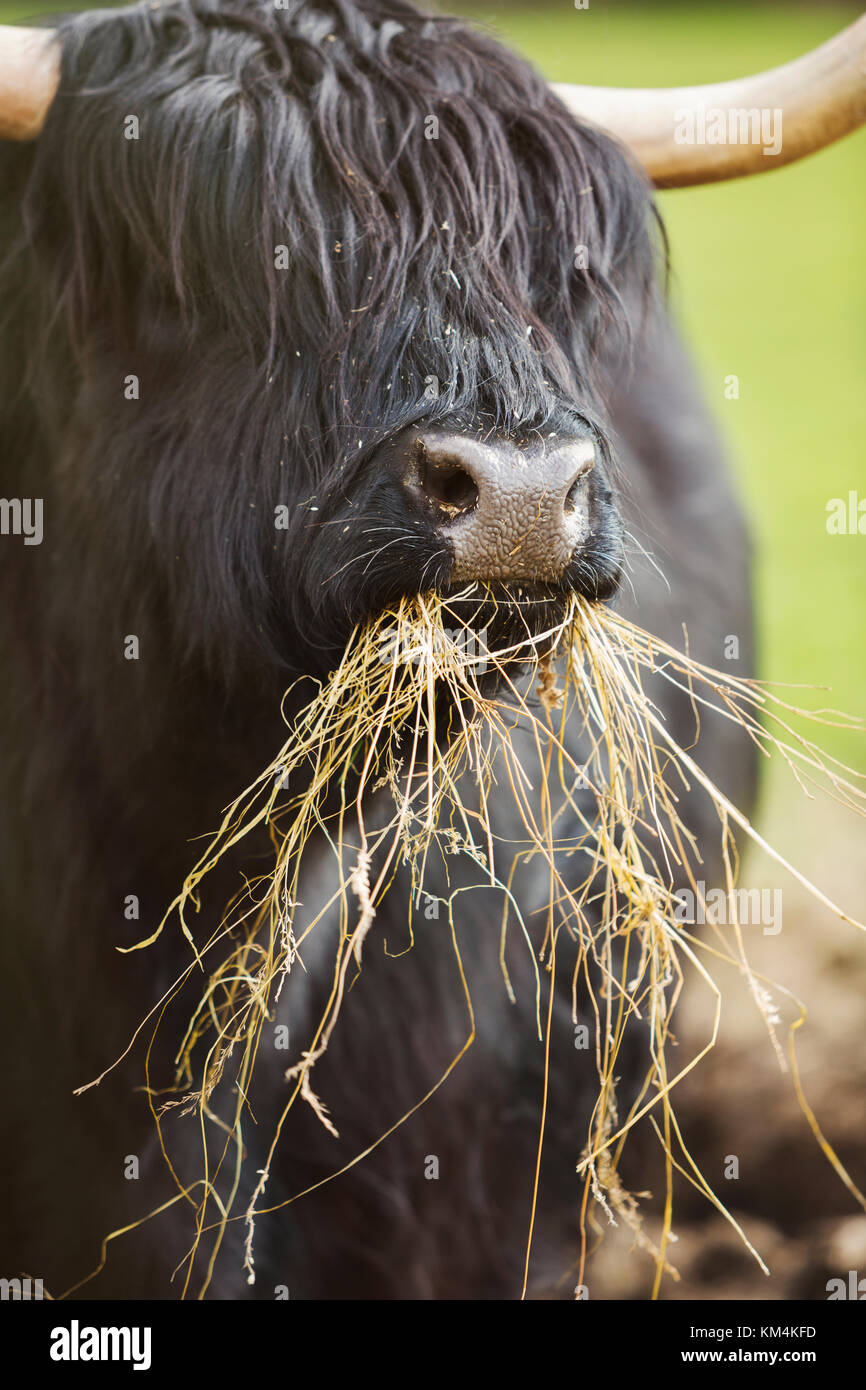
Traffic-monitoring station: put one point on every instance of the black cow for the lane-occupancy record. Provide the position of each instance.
(362, 264)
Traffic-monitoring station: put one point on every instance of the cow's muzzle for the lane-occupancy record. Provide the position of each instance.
(506, 510)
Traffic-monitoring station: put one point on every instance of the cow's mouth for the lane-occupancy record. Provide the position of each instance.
(513, 614)
(503, 628)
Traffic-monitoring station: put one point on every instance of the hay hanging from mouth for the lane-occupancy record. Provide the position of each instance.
(419, 710)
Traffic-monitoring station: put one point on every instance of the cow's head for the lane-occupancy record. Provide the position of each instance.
(369, 279)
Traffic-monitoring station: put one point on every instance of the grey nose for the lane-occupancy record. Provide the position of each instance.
(508, 512)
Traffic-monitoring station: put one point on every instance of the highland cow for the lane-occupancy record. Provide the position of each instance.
(304, 309)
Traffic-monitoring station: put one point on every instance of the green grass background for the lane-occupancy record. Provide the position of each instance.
(769, 283)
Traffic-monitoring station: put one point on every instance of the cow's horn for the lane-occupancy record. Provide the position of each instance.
(29, 72)
(821, 97)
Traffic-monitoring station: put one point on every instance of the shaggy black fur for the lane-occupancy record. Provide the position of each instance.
(284, 261)
(408, 259)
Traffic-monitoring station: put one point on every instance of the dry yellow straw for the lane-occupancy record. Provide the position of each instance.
(390, 680)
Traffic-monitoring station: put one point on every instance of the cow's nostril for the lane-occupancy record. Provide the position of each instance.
(574, 494)
(447, 485)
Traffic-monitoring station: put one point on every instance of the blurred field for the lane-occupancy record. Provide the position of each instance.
(769, 283)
